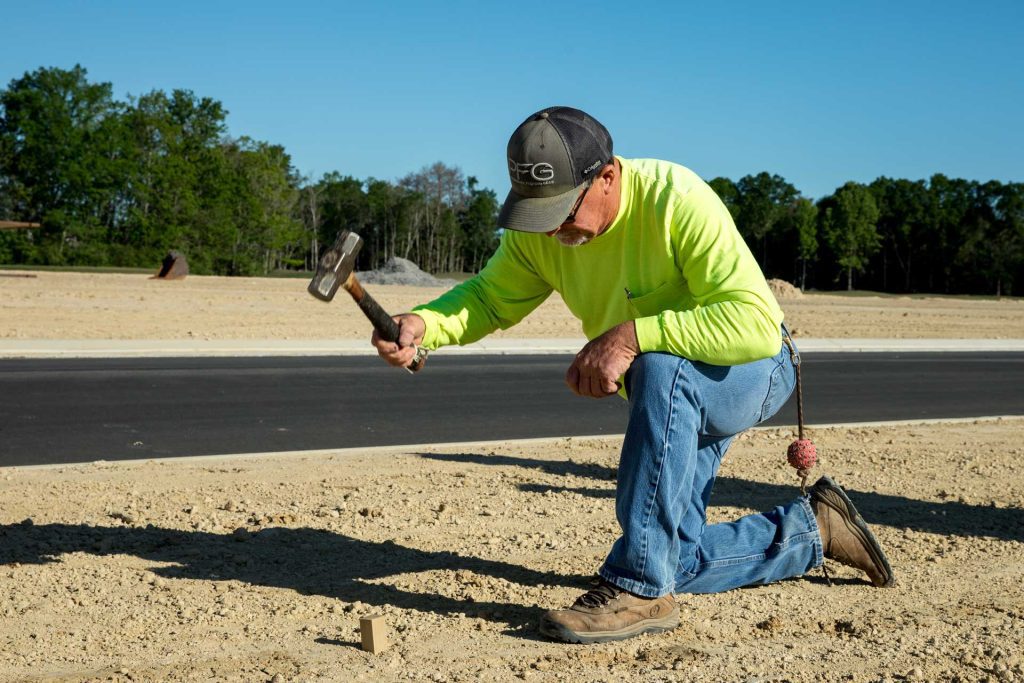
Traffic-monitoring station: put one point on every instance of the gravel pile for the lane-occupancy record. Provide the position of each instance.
(783, 290)
(400, 271)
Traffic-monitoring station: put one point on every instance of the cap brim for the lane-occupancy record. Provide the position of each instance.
(536, 214)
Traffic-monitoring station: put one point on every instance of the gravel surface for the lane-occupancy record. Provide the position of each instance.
(258, 569)
(57, 305)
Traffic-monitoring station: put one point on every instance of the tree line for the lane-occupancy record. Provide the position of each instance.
(941, 235)
(120, 183)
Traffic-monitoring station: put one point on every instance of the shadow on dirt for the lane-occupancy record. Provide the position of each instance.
(308, 561)
(321, 562)
(947, 518)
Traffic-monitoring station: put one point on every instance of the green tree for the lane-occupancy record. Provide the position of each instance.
(948, 215)
(180, 177)
(762, 203)
(478, 222)
(345, 206)
(391, 212)
(59, 136)
(1007, 244)
(902, 206)
(992, 245)
(972, 237)
(803, 218)
(311, 215)
(13, 243)
(266, 231)
(728, 193)
(849, 227)
(434, 240)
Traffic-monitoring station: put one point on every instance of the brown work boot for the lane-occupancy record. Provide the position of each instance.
(845, 535)
(607, 612)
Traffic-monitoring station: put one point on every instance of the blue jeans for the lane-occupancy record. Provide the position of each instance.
(683, 415)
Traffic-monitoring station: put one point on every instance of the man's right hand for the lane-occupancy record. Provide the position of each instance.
(410, 335)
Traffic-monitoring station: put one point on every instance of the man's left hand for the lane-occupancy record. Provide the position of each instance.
(599, 364)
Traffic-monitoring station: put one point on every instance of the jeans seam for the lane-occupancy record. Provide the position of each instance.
(717, 446)
(633, 586)
(784, 545)
(666, 441)
(773, 380)
(812, 523)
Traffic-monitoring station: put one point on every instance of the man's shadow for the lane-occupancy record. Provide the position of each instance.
(947, 518)
(308, 561)
(321, 562)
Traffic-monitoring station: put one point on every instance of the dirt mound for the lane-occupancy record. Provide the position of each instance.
(175, 267)
(783, 290)
(400, 271)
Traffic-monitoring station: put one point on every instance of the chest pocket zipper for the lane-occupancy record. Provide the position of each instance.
(670, 296)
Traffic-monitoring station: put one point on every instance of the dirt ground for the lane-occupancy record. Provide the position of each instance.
(258, 569)
(57, 305)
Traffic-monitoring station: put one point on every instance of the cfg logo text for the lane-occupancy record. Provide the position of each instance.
(523, 172)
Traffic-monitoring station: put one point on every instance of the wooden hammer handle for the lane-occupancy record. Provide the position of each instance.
(385, 325)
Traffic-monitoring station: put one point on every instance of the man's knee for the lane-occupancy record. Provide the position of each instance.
(656, 365)
(653, 370)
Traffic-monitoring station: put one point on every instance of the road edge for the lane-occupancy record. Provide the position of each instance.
(402, 448)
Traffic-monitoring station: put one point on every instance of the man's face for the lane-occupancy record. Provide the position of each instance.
(581, 225)
(573, 237)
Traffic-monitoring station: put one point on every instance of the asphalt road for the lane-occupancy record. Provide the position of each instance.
(63, 411)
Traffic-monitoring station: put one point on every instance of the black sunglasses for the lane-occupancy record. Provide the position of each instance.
(576, 207)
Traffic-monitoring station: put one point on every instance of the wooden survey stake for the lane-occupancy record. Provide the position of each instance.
(374, 631)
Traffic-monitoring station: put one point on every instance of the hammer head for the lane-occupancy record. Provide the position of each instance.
(336, 264)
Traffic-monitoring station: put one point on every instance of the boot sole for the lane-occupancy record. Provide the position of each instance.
(566, 635)
(856, 524)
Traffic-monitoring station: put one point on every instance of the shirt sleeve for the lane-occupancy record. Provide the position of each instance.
(736, 318)
(501, 295)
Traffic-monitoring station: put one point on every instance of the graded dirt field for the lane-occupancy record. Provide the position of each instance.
(57, 305)
(258, 569)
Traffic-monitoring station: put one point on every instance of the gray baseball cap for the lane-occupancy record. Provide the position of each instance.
(550, 155)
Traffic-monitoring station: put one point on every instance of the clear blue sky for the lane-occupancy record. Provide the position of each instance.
(818, 92)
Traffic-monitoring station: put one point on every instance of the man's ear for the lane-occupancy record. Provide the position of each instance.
(607, 176)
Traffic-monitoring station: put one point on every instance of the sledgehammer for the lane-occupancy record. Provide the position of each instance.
(337, 269)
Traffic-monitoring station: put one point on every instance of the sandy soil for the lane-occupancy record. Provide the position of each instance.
(259, 569)
(57, 305)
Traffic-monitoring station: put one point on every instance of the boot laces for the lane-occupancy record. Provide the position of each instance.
(601, 594)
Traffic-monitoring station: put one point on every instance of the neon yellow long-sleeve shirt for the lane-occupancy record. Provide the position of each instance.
(672, 260)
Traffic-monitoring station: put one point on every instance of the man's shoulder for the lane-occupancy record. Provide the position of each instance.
(664, 174)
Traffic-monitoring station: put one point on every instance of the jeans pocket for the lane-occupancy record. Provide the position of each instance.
(780, 387)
